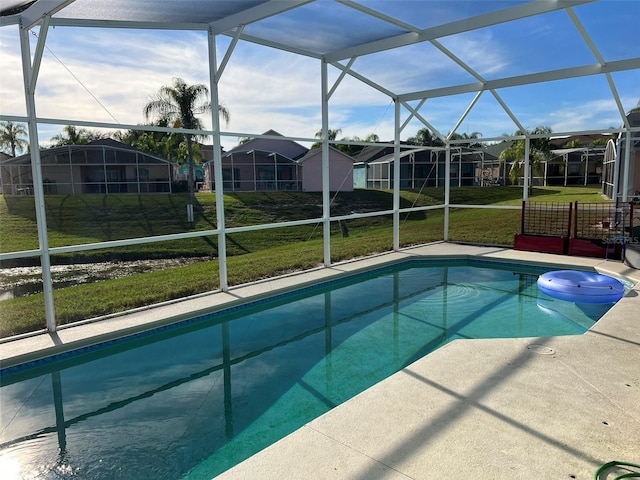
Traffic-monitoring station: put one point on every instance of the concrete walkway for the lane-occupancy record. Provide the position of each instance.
(543, 408)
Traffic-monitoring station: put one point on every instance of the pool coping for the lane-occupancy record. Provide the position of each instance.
(37, 346)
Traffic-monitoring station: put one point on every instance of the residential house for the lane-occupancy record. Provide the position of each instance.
(264, 164)
(574, 166)
(102, 166)
(3, 157)
(425, 167)
(340, 171)
(260, 164)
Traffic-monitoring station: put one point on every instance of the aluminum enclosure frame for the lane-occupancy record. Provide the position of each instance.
(44, 14)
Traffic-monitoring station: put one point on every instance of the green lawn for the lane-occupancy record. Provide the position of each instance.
(253, 255)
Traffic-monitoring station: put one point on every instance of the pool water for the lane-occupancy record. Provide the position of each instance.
(192, 400)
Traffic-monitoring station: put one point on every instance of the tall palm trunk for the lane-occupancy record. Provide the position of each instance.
(190, 174)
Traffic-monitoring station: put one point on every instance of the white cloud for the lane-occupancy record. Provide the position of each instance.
(602, 113)
(480, 51)
(424, 66)
(12, 100)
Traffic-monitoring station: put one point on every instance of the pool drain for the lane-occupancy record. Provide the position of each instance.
(541, 349)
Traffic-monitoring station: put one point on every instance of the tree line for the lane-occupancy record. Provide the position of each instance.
(179, 104)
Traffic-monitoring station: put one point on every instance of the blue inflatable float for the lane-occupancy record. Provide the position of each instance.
(581, 287)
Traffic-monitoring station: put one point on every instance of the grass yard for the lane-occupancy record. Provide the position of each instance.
(253, 255)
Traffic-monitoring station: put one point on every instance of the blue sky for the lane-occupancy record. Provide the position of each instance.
(108, 75)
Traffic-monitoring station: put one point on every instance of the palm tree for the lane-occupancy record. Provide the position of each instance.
(354, 150)
(331, 135)
(539, 151)
(426, 138)
(179, 104)
(11, 137)
(71, 135)
(161, 144)
(575, 143)
(472, 137)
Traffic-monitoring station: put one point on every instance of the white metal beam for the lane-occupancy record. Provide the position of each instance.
(250, 15)
(616, 97)
(478, 77)
(444, 50)
(138, 127)
(519, 80)
(457, 60)
(129, 24)
(254, 14)
(585, 36)
(37, 11)
(464, 115)
(596, 53)
(37, 56)
(396, 175)
(140, 25)
(280, 46)
(326, 200)
(343, 73)
(412, 114)
(38, 188)
(434, 130)
(492, 18)
(508, 110)
(217, 162)
(364, 80)
(527, 169)
(380, 16)
(228, 53)
(626, 169)
(616, 171)
(9, 20)
(447, 191)
(375, 46)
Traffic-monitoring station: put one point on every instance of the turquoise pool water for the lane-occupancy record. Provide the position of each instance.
(192, 400)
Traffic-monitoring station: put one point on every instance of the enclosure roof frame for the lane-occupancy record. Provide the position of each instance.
(256, 21)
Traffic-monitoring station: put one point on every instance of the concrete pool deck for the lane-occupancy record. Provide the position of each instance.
(547, 408)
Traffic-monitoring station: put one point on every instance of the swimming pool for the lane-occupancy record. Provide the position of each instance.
(192, 400)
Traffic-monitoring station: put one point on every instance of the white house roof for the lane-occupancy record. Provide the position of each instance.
(279, 156)
(96, 145)
(562, 151)
(270, 142)
(341, 31)
(317, 151)
(407, 153)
